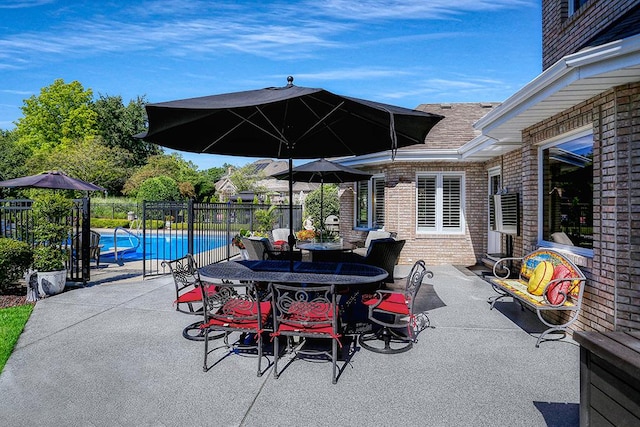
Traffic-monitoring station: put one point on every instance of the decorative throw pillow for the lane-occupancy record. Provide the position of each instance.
(540, 277)
(553, 293)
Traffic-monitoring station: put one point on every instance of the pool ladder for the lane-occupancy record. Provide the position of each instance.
(131, 237)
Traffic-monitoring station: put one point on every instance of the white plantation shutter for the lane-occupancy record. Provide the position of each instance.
(378, 202)
(427, 203)
(362, 204)
(451, 202)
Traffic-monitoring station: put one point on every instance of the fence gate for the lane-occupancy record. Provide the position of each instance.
(78, 269)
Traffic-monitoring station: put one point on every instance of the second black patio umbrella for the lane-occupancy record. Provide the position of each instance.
(286, 123)
(53, 180)
(323, 171)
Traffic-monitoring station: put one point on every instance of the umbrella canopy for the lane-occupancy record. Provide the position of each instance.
(53, 179)
(285, 122)
(323, 171)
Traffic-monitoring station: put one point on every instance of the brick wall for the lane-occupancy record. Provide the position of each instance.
(400, 214)
(612, 294)
(563, 34)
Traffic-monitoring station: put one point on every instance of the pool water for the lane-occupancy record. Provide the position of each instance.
(157, 247)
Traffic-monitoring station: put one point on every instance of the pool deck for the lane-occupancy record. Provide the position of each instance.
(112, 353)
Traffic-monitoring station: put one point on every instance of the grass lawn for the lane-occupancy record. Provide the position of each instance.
(12, 321)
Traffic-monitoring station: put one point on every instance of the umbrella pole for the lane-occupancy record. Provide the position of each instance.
(292, 238)
(321, 214)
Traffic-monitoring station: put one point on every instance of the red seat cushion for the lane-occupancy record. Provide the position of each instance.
(392, 303)
(553, 292)
(278, 244)
(195, 295)
(240, 314)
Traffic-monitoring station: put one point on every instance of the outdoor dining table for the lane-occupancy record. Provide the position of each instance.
(348, 278)
(279, 271)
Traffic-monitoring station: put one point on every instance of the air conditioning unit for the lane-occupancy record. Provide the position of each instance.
(504, 213)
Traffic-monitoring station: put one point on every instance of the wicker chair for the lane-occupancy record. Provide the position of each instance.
(383, 253)
(261, 248)
(394, 312)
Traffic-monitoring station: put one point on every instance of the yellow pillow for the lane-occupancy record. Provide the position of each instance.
(540, 277)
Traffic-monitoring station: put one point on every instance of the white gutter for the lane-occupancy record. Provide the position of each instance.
(589, 63)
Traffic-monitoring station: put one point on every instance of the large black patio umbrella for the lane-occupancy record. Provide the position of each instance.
(52, 179)
(289, 122)
(323, 171)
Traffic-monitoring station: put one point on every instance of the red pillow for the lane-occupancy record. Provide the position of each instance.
(553, 292)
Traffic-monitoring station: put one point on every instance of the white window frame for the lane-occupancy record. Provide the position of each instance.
(439, 205)
(370, 204)
(564, 138)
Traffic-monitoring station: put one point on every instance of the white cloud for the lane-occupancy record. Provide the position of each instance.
(411, 9)
(23, 4)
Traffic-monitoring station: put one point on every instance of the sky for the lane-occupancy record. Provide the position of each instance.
(401, 52)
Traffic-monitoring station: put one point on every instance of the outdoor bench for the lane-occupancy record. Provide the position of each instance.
(557, 285)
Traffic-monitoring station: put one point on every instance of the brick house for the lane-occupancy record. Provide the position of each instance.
(403, 195)
(568, 143)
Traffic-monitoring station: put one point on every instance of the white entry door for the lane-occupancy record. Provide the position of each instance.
(493, 237)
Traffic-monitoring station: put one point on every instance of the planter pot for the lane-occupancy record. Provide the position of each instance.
(244, 254)
(51, 282)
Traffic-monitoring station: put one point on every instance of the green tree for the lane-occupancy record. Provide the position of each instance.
(330, 205)
(175, 167)
(60, 114)
(245, 178)
(12, 157)
(159, 188)
(117, 124)
(90, 161)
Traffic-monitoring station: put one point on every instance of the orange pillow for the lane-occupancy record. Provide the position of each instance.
(540, 277)
(553, 293)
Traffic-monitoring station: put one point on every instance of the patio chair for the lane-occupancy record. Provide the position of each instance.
(383, 253)
(394, 312)
(372, 235)
(235, 308)
(94, 246)
(188, 293)
(260, 248)
(307, 312)
(280, 238)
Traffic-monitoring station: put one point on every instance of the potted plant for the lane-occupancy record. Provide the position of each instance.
(51, 232)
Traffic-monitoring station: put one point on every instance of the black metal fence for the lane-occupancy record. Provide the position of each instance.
(16, 222)
(202, 229)
(168, 230)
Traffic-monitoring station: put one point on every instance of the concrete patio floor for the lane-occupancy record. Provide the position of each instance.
(113, 354)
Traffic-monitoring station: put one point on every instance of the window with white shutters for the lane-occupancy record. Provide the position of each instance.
(440, 202)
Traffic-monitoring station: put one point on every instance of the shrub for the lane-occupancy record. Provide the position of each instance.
(49, 258)
(109, 223)
(15, 259)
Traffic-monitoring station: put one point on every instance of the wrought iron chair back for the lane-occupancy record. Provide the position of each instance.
(308, 312)
(235, 308)
(187, 282)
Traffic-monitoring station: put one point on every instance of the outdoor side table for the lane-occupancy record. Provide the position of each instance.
(327, 251)
(609, 378)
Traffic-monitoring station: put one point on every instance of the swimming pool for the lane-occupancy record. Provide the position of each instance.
(157, 247)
